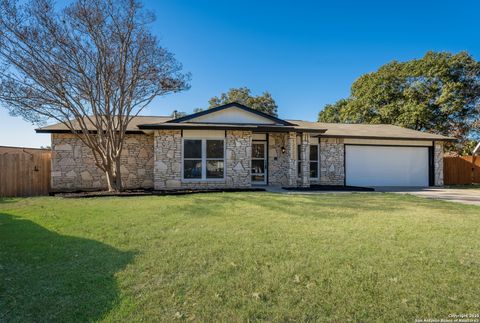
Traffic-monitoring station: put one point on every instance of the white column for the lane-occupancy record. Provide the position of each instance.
(291, 151)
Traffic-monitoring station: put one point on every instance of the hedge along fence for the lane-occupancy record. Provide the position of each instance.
(24, 171)
(461, 170)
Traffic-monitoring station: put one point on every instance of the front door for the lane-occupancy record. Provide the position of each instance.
(259, 162)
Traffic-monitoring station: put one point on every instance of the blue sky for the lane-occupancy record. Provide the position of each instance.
(305, 53)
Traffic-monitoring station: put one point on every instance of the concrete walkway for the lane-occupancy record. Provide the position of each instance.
(465, 196)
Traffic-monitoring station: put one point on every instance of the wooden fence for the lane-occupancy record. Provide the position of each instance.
(458, 170)
(24, 171)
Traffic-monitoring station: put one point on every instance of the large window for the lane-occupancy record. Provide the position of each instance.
(203, 159)
(313, 159)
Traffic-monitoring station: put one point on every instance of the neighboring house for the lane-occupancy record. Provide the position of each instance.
(233, 146)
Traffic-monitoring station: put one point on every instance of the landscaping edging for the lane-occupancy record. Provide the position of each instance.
(150, 192)
(336, 188)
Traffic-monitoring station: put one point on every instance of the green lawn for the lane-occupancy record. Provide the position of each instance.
(238, 257)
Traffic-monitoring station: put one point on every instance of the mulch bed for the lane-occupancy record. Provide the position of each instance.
(129, 193)
(339, 188)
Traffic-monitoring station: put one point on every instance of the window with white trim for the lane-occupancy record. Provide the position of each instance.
(203, 159)
(313, 159)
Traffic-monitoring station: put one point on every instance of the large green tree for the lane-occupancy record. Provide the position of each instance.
(438, 93)
(264, 103)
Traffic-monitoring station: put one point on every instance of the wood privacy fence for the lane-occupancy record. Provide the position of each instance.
(458, 170)
(24, 171)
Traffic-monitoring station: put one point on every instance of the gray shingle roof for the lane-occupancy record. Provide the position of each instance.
(372, 131)
(132, 126)
(368, 131)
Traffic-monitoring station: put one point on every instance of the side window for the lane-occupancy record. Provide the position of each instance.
(215, 159)
(313, 159)
(192, 159)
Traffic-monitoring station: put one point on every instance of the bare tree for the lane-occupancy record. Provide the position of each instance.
(92, 66)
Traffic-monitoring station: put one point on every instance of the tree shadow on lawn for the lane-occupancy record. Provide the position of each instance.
(45, 276)
(5, 200)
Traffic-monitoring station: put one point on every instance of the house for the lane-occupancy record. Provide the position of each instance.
(233, 146)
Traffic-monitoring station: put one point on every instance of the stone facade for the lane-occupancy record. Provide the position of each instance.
(332, 169)
(282, 165)
(168, 159)
(155, 161)
(238, 158)
(438, 163)
(168, 162)
(73, 164)
(304, 178)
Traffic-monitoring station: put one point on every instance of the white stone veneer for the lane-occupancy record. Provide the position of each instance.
(168, 161)
(73, 164)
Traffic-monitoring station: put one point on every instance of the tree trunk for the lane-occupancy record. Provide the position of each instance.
(118, 175)
(114, 178)
(110, 180)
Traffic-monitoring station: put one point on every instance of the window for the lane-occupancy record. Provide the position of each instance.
(192, 159)
(203, 159)
(214, 158)
(313, 161)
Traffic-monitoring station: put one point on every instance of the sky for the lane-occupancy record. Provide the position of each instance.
(305, 53)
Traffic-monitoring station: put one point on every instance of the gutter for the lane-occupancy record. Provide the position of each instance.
(388, 138)
(266, 128)
(79, 131)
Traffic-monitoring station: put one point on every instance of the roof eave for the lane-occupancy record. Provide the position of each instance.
(267, 128)
(64, 131)
(390, 138)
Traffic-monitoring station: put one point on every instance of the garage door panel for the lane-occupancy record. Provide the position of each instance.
(386, 166)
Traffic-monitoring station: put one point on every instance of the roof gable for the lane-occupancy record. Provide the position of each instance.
(232, 113)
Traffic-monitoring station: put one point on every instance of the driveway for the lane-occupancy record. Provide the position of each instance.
(465, 196)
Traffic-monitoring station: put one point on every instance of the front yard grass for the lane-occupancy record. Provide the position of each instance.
(238, 257)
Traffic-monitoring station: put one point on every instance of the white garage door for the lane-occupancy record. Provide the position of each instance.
(386, 166)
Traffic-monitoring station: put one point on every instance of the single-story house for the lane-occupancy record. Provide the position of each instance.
(234, 146)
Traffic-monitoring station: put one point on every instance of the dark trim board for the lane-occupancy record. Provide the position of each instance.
(431, 161)
(431, 166)
(137, 132)
(212, 126)
(345, 165)
(268, 161)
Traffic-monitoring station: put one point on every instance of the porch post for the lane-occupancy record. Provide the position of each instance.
(292, 156)
(305, 158)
